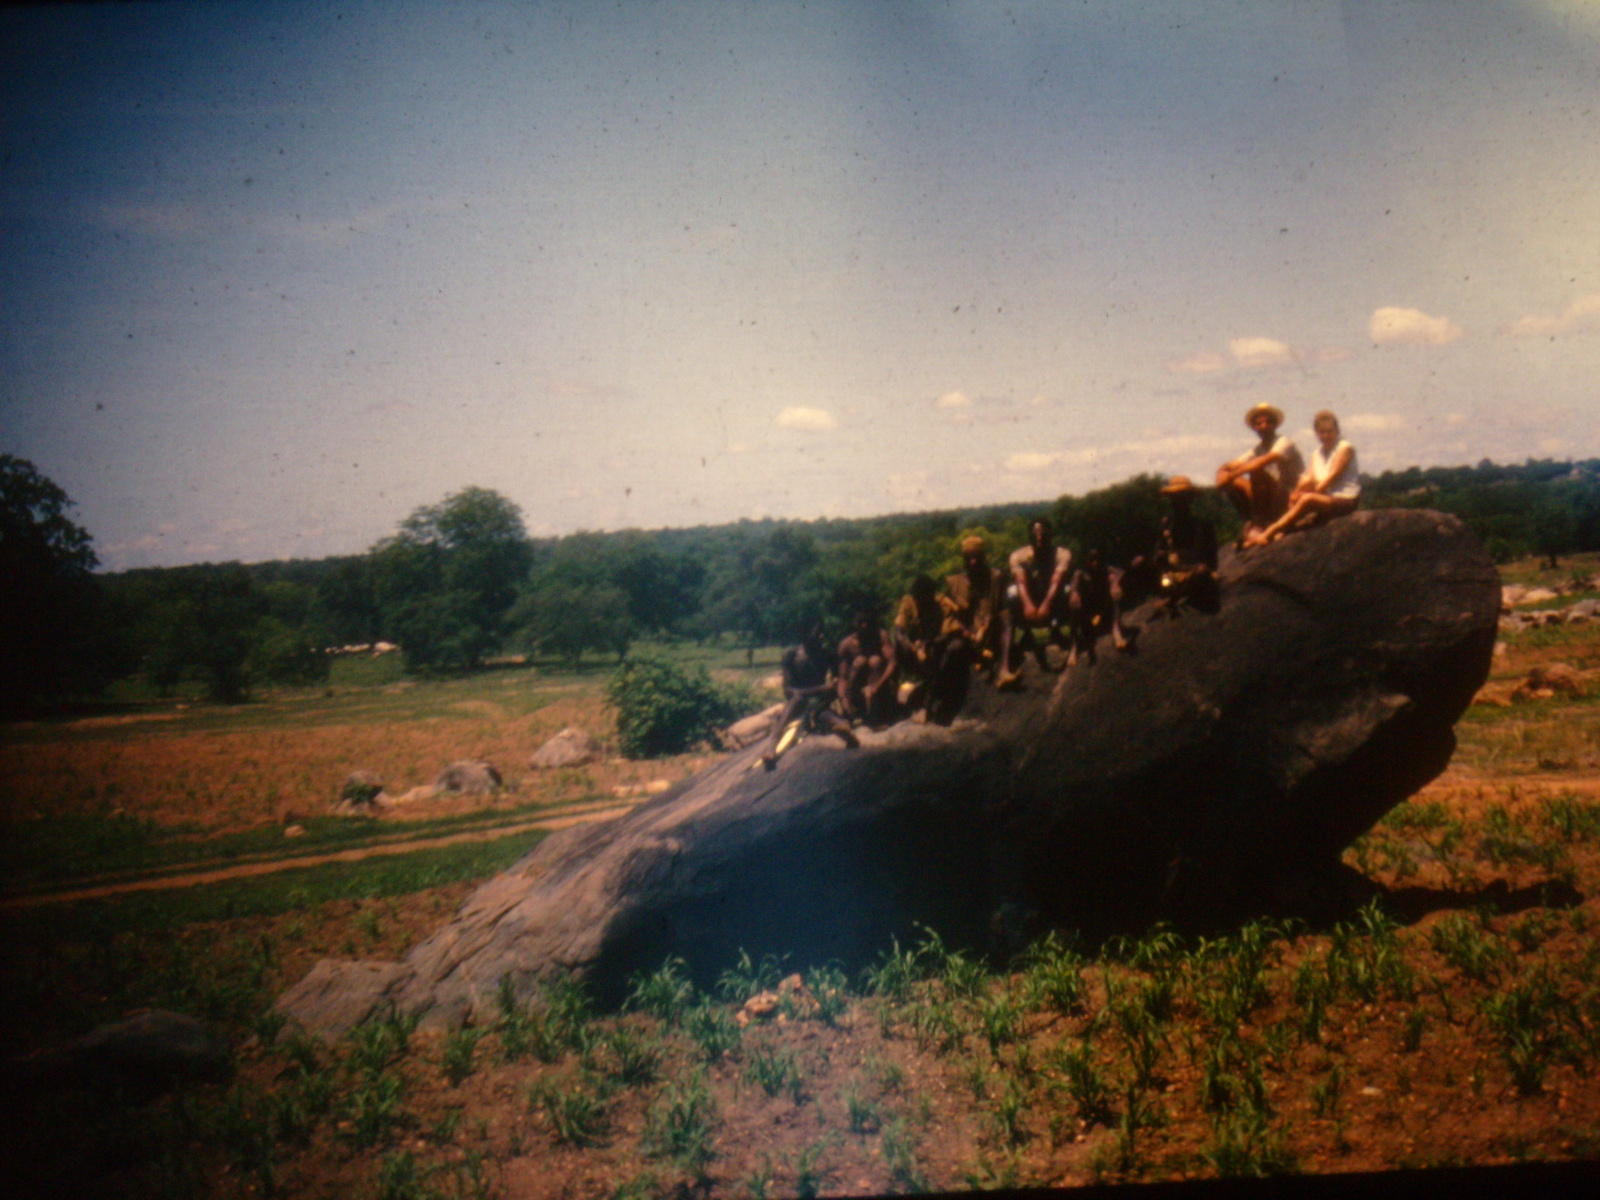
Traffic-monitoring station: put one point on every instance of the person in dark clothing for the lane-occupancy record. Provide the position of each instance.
(1096, 606)
(808, 683)
(1186, 554)
(936, 653)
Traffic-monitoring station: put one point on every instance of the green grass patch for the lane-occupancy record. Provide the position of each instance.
(56, 850)
(280, 892)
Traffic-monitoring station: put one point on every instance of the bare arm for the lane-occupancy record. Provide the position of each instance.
(1336, 468)
(1244, 466)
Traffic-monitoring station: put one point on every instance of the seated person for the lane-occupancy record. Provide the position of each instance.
(866, 672)
(970, 601)
(940, 659)
(1329, 489)
(1095, 601)
(1182, 567)
(1259, 483)
(806, 686)
(1037, 598)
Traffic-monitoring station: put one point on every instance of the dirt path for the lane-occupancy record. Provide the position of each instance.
(270, 866)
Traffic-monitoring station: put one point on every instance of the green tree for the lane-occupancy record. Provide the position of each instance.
(48, 597)
(556, 615)
(444, 582)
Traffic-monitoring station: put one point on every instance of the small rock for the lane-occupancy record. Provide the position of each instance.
(294, 831)
(470, 777)
(572, 747)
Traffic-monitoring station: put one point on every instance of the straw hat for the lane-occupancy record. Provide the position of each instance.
(1177, 485)
(1271, 410)
(971, 545)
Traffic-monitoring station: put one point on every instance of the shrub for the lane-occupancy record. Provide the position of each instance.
(663, 709)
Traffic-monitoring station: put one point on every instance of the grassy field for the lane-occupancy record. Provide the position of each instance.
(1455, 1020)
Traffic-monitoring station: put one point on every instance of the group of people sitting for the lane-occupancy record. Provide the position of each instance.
(987, 620)
(1272, 488)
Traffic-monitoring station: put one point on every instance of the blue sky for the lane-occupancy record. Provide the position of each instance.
(276, 274)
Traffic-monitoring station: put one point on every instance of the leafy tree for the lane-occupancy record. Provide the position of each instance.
(444, 582)
(663, 709)
(48, 598)
(201, 621)
(558, 616)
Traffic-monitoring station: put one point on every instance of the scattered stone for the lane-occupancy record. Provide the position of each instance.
(294, 831)
(470, 777)
(572, 747)
(1537, 595)
(1543, 683)
(762, 1006)
(360, 796)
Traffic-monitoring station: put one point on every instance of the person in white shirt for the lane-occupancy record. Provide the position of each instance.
(1331, 488)
(1261, 482)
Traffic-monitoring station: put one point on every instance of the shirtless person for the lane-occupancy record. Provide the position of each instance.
(1329, 489)
(1037, 598)
(1259, 484)
(866, 672)
(806, 668)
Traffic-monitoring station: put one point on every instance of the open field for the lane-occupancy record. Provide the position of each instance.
(1455, 1019)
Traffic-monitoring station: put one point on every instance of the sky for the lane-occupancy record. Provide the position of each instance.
(276, 274)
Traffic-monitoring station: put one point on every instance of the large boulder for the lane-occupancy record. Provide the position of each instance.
(1220, 768)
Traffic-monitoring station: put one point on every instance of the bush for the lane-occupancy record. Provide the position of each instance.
(663, 709)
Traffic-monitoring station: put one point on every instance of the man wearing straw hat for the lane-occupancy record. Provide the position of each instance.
(1183, 568)
(1259, 484)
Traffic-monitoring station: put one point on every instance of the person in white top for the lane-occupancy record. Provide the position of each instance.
(1262, 481)
(1329, 489)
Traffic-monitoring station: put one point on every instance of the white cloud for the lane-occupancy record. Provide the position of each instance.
(953, 400)
(1391, 326)
(1581, 316)
(1031, 461)
(1201, 362)
(1254, 354)
(800, 417)
(1373, 422)
(1261, 352)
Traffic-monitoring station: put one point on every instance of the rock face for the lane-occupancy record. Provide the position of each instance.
(1223, 765)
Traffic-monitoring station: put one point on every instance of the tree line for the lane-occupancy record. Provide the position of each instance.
(461, 582)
